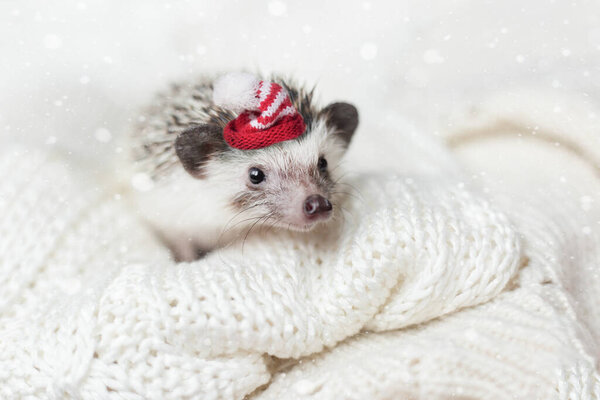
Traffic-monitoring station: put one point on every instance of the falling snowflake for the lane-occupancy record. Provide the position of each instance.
(368, 51)
(586, 203)
(277, 8)
(142, 182)
(102, 135)
(433, 56)
(52, 42)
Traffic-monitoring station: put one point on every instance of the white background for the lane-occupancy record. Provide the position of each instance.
(73, 72)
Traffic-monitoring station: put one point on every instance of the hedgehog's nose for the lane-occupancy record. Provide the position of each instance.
(315, 205)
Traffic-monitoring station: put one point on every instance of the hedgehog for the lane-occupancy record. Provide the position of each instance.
(200, 190)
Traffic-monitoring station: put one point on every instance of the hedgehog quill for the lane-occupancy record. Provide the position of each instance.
(226, 155)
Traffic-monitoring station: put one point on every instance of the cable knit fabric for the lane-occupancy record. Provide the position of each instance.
(423, 290)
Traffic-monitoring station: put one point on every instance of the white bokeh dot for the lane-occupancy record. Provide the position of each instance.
(368, 51)
(433, 56)
(102, 135)
(277, 8)
(142, 182)
(305, 387)
(201, 50)
(471, 335)
(52, 42)
(586, 202)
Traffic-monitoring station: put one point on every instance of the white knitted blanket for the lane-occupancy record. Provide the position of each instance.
(423, 291)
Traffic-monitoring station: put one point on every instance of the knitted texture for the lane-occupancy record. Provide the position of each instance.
(245, 132)
(422, 291)
(114, 315)
(266, 117)
(539, 339)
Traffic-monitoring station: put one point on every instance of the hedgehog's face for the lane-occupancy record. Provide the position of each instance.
(297, 196)
(292, 184)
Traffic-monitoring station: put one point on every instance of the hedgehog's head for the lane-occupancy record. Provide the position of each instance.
(293, 183)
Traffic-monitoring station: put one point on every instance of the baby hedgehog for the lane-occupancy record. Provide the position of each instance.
(216, 158)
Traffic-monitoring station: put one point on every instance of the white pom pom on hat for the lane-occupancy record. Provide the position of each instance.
(236, 91)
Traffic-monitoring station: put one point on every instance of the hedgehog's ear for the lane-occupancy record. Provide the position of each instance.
(197, 145)
(342, 118)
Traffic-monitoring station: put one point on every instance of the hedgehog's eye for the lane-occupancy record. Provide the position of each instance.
(256, 175)
(322, 164)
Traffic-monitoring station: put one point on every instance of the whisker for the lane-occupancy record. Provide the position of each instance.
(266, 228)
(240, 222)
(340, 182)
(227, 228)
(353, 189)
(272, 225)
(246, 209)
(344, 213)
(335, 168)
(251, 227)
(347, 194)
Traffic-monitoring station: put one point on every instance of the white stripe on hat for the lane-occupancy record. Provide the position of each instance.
(280, 98)
(290, 110)
(265, 90)
(272, 108)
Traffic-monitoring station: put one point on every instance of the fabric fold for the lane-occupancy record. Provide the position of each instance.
(109, 312)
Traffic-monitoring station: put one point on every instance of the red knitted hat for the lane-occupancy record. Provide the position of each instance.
(266, 117)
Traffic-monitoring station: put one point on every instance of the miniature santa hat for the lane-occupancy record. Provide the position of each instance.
(266, 117)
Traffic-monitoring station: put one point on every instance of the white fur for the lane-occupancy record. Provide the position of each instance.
(190, 212)
(236, 91)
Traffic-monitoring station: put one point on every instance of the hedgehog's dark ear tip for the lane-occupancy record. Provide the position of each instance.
(197, 145)
(342, 118)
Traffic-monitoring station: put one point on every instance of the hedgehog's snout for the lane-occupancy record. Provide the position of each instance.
(317, 207)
